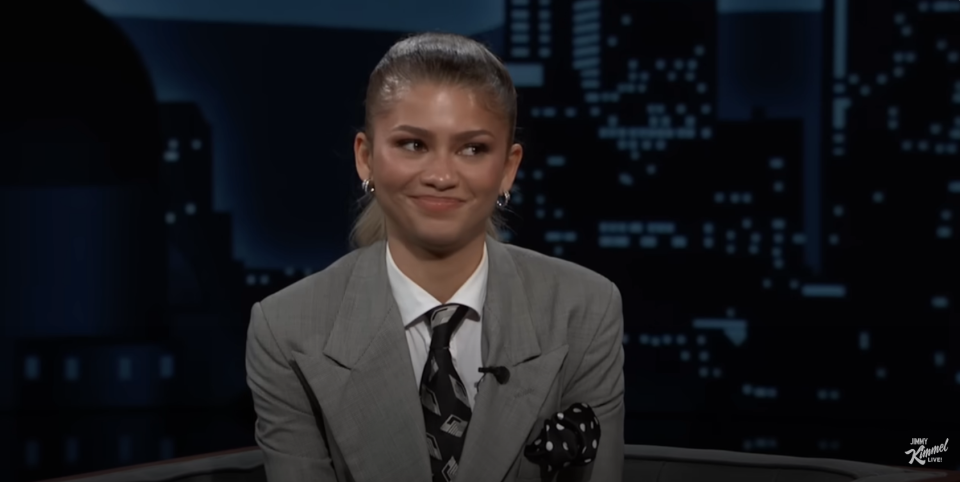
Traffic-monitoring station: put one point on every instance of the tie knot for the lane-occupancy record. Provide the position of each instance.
(444, 320)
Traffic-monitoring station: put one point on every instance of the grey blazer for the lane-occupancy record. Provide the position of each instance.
(333, 345)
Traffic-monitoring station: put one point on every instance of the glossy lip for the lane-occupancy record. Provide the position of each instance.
(436, 203)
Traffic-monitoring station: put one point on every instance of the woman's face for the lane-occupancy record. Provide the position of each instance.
(438, 159)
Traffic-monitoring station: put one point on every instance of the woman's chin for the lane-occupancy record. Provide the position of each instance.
(443, 235)
(436, 241)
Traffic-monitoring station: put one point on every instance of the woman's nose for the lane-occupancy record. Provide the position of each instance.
(440, 172)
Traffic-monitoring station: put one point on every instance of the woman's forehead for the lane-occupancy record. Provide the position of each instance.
(434, 102)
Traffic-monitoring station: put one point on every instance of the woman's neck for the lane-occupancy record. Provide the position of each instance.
(441, 275)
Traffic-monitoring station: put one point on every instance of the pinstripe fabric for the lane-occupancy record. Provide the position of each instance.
(555, 325)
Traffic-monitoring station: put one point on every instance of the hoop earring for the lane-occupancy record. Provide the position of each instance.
(367, 186)
(503, 199)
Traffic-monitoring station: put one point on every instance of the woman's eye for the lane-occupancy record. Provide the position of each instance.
(411, 145)
(474, 149)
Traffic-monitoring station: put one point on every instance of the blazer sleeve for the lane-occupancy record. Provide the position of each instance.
(598, 382)
(286, 431)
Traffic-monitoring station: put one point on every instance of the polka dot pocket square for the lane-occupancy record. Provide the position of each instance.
(568, 438)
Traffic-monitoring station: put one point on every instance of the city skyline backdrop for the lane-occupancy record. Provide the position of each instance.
(772, 185)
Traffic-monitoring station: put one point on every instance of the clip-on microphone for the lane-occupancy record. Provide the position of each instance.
(500, 373)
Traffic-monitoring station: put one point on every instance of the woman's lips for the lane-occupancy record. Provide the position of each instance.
(437, 203)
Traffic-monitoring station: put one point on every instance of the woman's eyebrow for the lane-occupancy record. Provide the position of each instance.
(418, 131)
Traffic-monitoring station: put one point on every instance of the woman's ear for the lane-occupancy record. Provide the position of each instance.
(514, 156)
(362, 155)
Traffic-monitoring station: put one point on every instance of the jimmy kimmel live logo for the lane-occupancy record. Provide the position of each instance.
(922, 454)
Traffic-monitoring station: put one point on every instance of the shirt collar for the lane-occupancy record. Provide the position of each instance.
(413, 301)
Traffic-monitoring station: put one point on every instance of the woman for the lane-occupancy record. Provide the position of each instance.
(374, 369)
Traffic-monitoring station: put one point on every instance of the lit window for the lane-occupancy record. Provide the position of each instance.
(166, 367)
(32, 453)
(71, 369)
(124, 369)
(31, 368)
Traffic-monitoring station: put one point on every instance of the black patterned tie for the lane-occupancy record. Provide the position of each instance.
(446, 408)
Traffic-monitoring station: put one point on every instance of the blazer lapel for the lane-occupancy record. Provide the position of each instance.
(365, 384)
(504, 414)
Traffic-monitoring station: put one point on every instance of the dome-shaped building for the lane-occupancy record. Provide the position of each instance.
(82, 250)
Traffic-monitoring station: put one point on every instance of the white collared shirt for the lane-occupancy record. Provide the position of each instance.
(414, 302)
